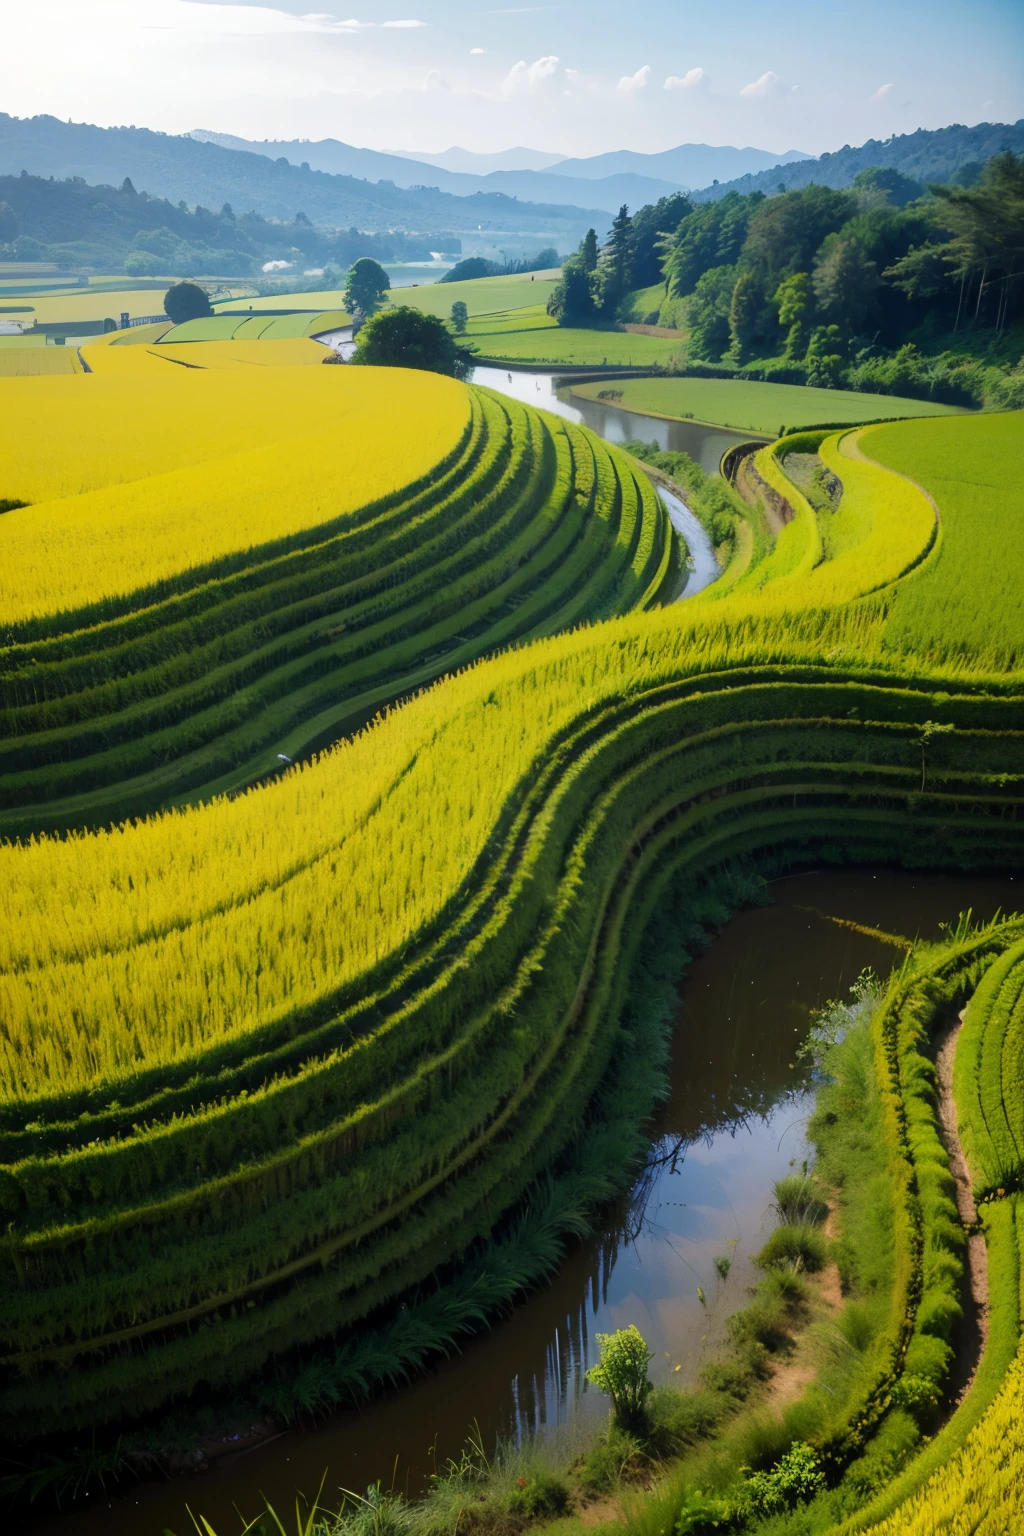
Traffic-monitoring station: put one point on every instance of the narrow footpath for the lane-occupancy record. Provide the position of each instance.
(973, 1332)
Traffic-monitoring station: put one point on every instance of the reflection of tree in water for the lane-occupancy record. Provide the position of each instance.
(542, 1398)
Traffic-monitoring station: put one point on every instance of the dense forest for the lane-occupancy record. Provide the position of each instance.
(888, 286)
(118, 228)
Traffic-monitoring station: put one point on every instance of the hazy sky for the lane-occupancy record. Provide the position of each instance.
(577, 77)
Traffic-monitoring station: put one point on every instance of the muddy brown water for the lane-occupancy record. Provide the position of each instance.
(732, 1123)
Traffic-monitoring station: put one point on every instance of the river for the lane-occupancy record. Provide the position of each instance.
(733, 1122)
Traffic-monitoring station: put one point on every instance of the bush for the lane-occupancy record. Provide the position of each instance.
(610, 1459)
(793, 1480)
(543, 1497)
(405, 338)
(701, 1515)
(679, 1419)
(798, 1201)
(186, 301)
(799, 1248)
(622, 1373)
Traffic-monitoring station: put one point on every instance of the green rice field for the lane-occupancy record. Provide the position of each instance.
(751, 406)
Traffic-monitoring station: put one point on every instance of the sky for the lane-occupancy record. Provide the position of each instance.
(578, 77)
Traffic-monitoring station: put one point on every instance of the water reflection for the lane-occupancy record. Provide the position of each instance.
(732, 1122)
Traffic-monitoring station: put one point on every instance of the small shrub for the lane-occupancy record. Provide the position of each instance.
(622, 1373)
(723, 1264)
(679, 1419)
(544, 1497)
(701, 1515)
(798, 1201)
(612, 1459)
(794, 1479)
(915, 1393)
(799, 1248)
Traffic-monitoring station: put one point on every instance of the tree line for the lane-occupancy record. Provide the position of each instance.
(819, 280)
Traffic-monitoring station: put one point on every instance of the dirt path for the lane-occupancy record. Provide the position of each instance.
(793, 1373)
(974, 1330)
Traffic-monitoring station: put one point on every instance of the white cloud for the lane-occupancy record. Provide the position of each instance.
(693, 80)
(435, 81)
(636, 82)
(767, 85)
(881, 94)
(525, 79)
(478, 50)
(402, 24)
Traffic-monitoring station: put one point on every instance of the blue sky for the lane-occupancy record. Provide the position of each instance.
(575, 77)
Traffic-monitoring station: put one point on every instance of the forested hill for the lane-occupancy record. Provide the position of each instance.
(927, 155)
(110, 228)
(183, 169)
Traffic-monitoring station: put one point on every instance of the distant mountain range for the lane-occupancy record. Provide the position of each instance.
(468, 160)
(185, 169)
(337, 186)
(607, 193)
(688, 165)
(927, 155)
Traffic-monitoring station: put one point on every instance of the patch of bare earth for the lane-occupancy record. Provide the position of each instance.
(793, 1373)
(973, 1332)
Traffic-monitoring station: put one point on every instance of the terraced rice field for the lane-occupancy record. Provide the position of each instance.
(182, 608)
(269, 1062)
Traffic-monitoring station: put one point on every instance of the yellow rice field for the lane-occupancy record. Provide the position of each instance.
(113, 512)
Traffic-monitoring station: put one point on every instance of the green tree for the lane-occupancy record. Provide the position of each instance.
(652, 226)
(744, 313)
(405, 338)
(622, 1373)
(572, 299)
(826, 365)
(794, 299)
(186, 301)
(707, 313)
(460, 317)
(844, 282)
(615, 268)
(365, 286)
(588, 250)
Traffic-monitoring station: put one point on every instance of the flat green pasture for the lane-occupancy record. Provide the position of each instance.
(753, 407)
(966, 597)
(482, 296)
(533, 317)
(551, 345)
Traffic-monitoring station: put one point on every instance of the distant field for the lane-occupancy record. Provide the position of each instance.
(33, 362)
(80, 304)
(754, 407)
(483, 296)
(557, 344)
(286, 352)
(234, 327)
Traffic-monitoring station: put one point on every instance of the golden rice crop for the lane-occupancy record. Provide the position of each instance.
(285, 352)
(240, 466)
(980, 1490)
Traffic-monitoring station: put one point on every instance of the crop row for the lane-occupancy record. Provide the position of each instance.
(301, 1197)
(990, 1077)
(532, 526)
